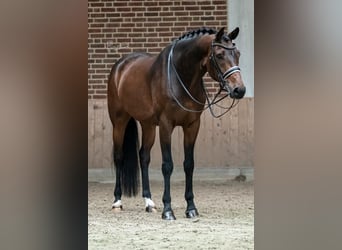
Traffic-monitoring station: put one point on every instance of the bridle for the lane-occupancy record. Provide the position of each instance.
(224, 86)
(222, 76)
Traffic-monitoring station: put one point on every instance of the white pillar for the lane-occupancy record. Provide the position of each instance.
(241, 14)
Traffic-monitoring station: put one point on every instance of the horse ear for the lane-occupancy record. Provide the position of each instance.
(219, 35)
(232, 35)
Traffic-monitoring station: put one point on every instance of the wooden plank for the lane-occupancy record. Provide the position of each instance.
(210, 145)
(91, 134)
(216, 157)
(233, 137)
(177, 146)
(228, 141)
(250, 132)
(201, 153)
(203, 146)
(242, 131)
(107, 141)
(156, 159)
(98, 139)
(225, 139)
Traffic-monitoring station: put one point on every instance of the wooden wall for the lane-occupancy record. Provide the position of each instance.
(224, 142)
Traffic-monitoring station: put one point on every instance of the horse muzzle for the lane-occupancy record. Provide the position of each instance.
(238, 92)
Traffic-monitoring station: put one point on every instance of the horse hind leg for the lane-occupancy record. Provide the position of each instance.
(118, 137)
(125, 160)
(148, 137)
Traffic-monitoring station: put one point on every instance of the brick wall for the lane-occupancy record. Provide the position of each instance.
(119, 27)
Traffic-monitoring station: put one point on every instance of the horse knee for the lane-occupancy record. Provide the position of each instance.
(167, 168)
(188, 165)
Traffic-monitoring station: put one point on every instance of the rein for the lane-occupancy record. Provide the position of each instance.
(210, 102)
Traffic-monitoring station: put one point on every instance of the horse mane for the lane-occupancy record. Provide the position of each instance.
(199, 32)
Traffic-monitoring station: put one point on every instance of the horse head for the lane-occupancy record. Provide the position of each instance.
(223, 63)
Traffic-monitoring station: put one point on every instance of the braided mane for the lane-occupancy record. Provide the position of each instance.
(199, 32)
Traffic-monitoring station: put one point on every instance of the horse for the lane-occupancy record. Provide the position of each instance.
(167, 90)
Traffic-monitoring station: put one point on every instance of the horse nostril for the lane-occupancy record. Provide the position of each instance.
(239, 92)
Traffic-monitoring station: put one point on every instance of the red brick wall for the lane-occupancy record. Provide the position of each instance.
(119, 27)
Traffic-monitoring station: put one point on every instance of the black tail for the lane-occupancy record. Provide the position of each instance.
(129, 172)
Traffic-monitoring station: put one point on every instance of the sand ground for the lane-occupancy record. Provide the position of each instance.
(226, 219)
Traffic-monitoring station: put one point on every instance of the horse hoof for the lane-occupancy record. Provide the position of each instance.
(150, 209)
(168, 215)
(192, 213)
(117, 209)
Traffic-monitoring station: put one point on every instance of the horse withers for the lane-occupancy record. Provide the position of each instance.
(167, 90)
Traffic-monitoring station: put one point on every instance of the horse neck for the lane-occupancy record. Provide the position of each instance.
(189, 58)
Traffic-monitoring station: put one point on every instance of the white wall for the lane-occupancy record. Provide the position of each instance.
(241, 14)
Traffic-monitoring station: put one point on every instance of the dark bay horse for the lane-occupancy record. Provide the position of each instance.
(167, 90)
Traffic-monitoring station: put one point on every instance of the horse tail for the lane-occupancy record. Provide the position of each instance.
(129, 172)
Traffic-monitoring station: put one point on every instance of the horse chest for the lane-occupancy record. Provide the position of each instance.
(177, 116)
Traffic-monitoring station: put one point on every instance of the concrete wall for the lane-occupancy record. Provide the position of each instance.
(224, 142)
(241, 14)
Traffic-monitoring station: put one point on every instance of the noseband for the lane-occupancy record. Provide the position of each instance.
(222, 76)
(222, 80)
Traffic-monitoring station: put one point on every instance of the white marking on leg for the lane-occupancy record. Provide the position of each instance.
(117, 204)
(149, 202)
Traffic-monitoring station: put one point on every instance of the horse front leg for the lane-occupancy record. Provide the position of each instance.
(148, 137)
(165, 132)
(190, 135)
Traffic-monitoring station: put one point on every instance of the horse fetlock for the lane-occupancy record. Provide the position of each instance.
(150, 207)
